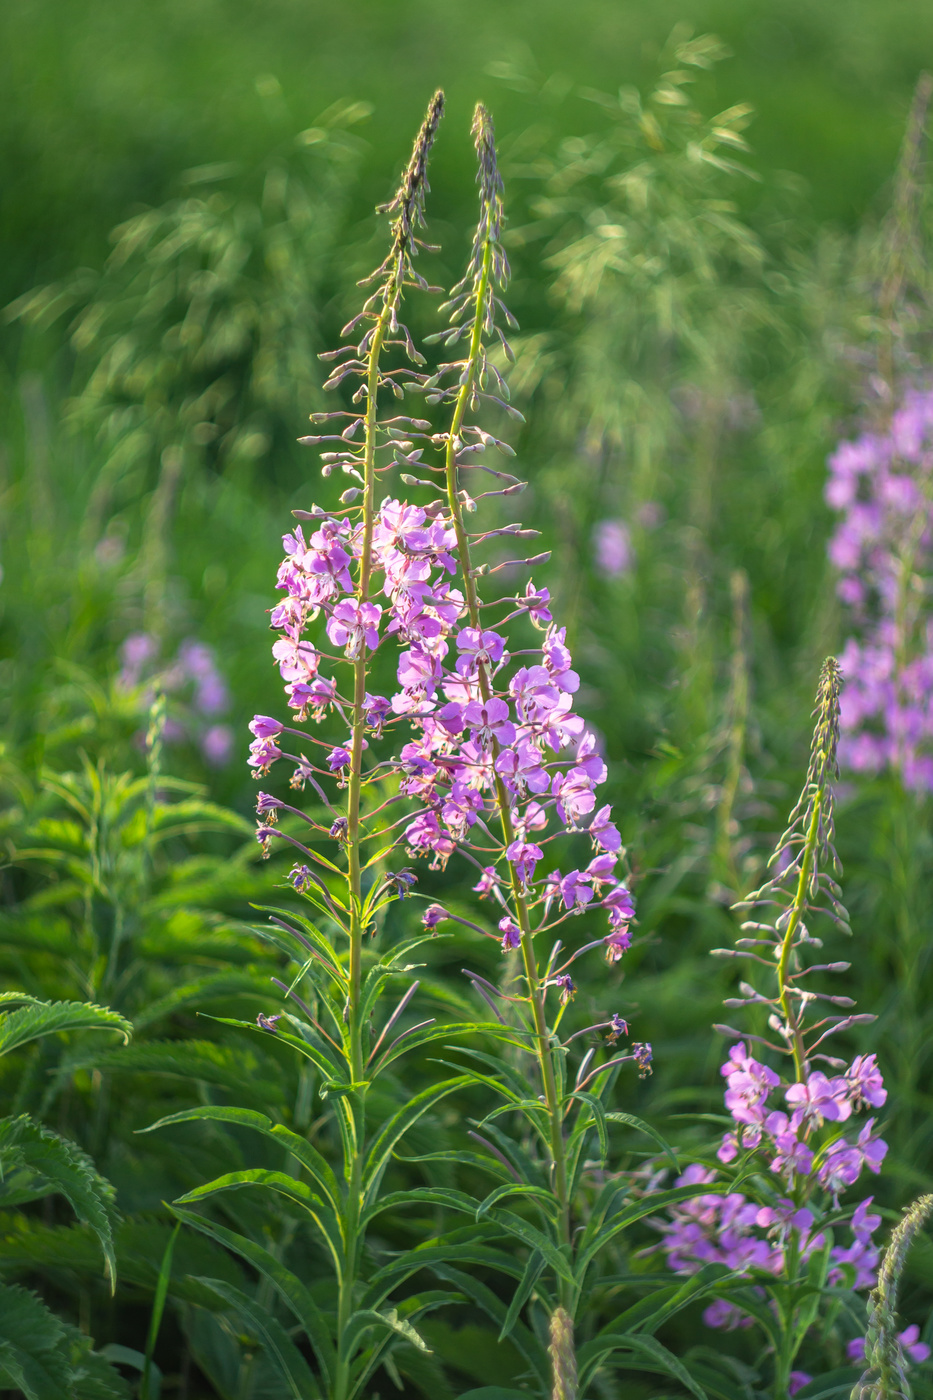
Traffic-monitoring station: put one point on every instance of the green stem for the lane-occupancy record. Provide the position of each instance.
(354, 1168)
(536, 991)
(791, 1018)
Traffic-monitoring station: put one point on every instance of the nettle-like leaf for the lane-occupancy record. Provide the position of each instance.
(44, 1359)
(40, 1018)
(197, 1060)
(35, 1162)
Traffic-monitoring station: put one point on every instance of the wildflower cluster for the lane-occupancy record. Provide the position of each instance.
(194, 672)
(790, 1146)
(493, 733)
(883, 482)
(476, 745)
(800, 1150)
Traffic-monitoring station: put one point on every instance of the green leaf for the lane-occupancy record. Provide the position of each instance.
(298, 1146)
(443, 1032)
(467, 1159)
(149, 1387)
(649, 1350)
(309, 932)
(420, 1196)
(360, 1323)
(277, 1344)
(37, 1162)
(295, 1191)
(323, 1060)
(33, 1357)
(647, 1129)
(40, 1018)
(598, 1116)
(530, 1236)
(494, 1392)
(288, 1285)
(516, 1188)
(521, 1337)
(188, 1059)
(399, 1124)
(649, 1205)
(205, 989)
(648, 1314)
(523, 1292)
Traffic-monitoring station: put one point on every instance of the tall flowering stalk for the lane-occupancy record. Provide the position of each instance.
(349, 555)
(504, 768)
(773, 1211)
(475, 753)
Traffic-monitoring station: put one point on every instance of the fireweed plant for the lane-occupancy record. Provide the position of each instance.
(883, 549)
(477, 755)
(775, 1213)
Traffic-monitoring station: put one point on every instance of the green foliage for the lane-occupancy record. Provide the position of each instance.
(44, 1359)
(692, 342)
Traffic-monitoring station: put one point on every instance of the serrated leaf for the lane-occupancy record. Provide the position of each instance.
(58, 1166)
(33, 1355)
(187, 1059)
(41, 1018)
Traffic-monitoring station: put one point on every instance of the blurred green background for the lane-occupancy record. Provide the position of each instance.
(106, 104)
(686, 380)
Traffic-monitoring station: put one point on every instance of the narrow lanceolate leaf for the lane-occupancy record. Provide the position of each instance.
(40, 1018)
(151, 1380)
(399, 1124)
(648, 1314)
(366, 1319)
(521, 1336)
(539, 1194)
(299, 1147)
(420, 1196)
(649, 1131)
(652, 1356)
(277, 1345)
(649, 1205)
(323, 1060)
(523, 1292)
(467, 1159)
(514, 1225)
(295, 1191)
(36, 1162)
(288, 1285)
(445, 1032)
(595, 1119)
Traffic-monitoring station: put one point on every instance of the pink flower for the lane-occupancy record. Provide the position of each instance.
(820, 1098)
(511, 934)
(354, 626)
